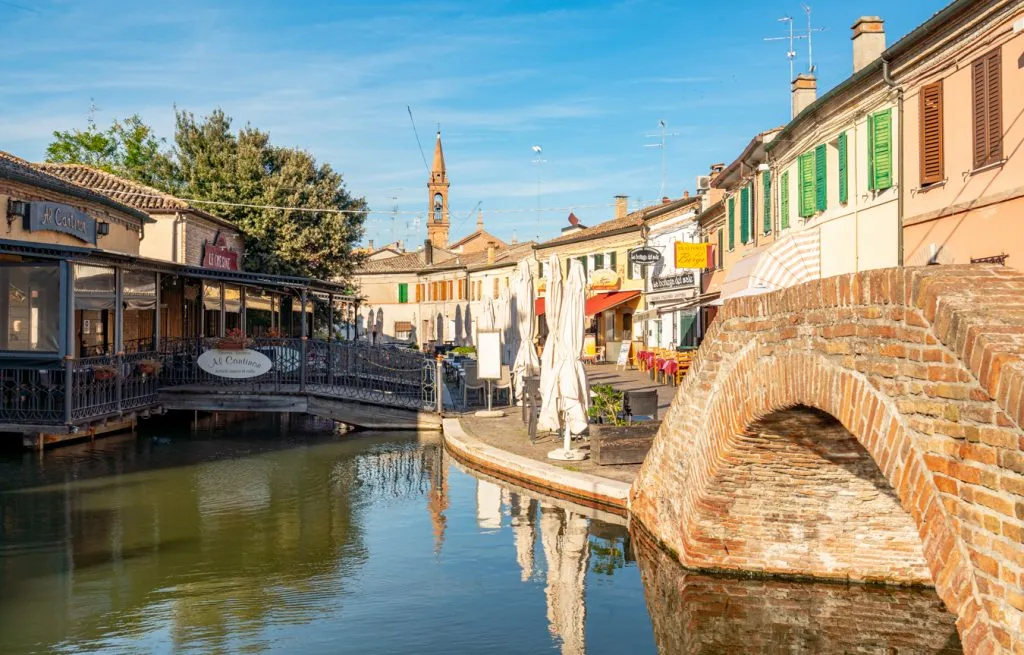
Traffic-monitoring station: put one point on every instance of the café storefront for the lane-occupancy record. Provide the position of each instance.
(671, 321)
(85, 327)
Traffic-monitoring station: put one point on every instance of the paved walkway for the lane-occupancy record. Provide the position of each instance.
(509, 433)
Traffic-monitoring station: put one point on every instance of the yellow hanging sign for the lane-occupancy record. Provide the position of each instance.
(693, 255)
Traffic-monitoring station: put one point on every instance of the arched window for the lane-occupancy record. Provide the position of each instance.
(438, 208)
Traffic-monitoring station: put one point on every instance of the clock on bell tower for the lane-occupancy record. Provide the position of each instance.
(437, 205)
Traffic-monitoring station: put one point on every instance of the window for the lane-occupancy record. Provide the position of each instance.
(598, 261)
(844, 182)
(451, 288)
(33, 307)
(583, 260)
(987, 95)
(433, 291)
(766, 192)
(806, 197)
(732, 222)
(403, 292)
(784, 201)
(820, 179)
(880, 150)
(419, 293)
(495, 287)
(744, 214)
(721, 237)
(930, 146)
(611, 259)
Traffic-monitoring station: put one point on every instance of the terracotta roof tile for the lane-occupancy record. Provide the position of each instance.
(15, 168)
(129, 192)
(633, 219)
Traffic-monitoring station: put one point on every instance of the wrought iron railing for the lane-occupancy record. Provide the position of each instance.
(109, 385)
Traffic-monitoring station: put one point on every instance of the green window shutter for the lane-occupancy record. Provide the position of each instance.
(721, 244)
(611, 261)
(784, 201)
(750, 211)
(882, 150)
(732, 222)
(844, 185)
(766, 190)
(806, 197)
(820, 177)
(598, 261)
(403, 292)
(744, 214)
(871, 152)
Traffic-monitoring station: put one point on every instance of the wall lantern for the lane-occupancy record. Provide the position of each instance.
(17, 208)
(103, 229)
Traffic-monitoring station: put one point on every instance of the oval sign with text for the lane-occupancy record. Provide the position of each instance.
(237, 364)
(645, 256)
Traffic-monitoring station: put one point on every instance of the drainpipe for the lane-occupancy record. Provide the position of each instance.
(892, 84)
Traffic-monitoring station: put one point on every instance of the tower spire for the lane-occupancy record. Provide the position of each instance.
(438, 171)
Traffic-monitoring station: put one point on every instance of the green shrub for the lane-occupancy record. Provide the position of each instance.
(606, 405)
(464, 350)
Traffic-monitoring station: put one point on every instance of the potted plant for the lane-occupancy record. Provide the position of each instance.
(274, 337)
(606, 405)
(104, 372)
(232, 340)
(613, 440)
(150, 366)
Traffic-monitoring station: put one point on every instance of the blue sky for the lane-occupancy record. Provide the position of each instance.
(588, 81)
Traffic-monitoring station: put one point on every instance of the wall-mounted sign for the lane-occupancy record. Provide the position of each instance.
(684, 279)
(235, 364)
(604, 279)
(542, 285)
(694, 255)
(218, 255)
(55, 217)
(645, 256)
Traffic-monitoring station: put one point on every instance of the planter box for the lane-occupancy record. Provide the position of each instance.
(626, 444)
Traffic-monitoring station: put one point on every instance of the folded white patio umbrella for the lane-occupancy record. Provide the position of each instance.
(572, 378)
(526, 360)
(548, 419)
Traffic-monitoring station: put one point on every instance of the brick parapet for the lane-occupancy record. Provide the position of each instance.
(924, 367)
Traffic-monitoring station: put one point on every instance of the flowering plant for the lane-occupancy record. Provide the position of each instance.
(233, 339)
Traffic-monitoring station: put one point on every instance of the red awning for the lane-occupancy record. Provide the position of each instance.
(596, 304)
(604, 301)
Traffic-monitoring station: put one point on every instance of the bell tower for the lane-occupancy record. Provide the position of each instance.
(437, 189)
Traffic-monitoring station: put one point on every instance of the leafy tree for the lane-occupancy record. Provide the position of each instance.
(270, 192)
(275, 191)
(128, 148)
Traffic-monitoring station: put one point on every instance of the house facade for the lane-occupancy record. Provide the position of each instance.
(963, 95)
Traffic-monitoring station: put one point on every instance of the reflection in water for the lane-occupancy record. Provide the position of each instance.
(285, 537)
(701, 613)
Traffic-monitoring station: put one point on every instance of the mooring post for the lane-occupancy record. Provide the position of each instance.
(439, 384)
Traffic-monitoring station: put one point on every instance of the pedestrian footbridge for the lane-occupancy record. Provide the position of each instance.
(862, 427)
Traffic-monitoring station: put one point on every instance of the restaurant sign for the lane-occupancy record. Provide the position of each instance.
(235, 364)
(694, 255)
(55, 217)
(604, 279)
(684, 279)
(218, 255)
(645, 256)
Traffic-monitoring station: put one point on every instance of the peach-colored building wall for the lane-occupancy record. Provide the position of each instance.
(971, 214)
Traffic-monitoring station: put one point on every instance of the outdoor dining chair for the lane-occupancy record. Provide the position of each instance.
(470, 381)
(504, 382)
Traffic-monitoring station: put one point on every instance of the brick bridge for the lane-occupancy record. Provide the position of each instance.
(863, 427)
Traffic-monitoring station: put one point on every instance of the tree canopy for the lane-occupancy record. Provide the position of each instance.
(272, 193)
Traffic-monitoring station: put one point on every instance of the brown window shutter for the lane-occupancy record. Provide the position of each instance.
(995, 105)
(931, 146)
(979, 113)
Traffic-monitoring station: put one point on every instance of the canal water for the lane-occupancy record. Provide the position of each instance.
(279, 535)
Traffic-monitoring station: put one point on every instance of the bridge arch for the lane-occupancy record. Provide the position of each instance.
(913, 363)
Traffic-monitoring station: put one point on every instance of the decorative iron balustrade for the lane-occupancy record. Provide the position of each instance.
(110, 385)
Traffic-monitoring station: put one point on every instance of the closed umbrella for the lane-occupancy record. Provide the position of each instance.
(526, 362)
(573, 396)
(548, 418)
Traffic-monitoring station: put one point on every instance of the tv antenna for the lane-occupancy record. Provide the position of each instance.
(793, 36)
(538, 162)
(664, 134)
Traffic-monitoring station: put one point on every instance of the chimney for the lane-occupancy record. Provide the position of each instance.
(480, 221)
(868, 41)
(665, 200)
(490, 252)
(428, 252)
(621, 206)
(370, 247)
(686, 194)
(805, 91)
